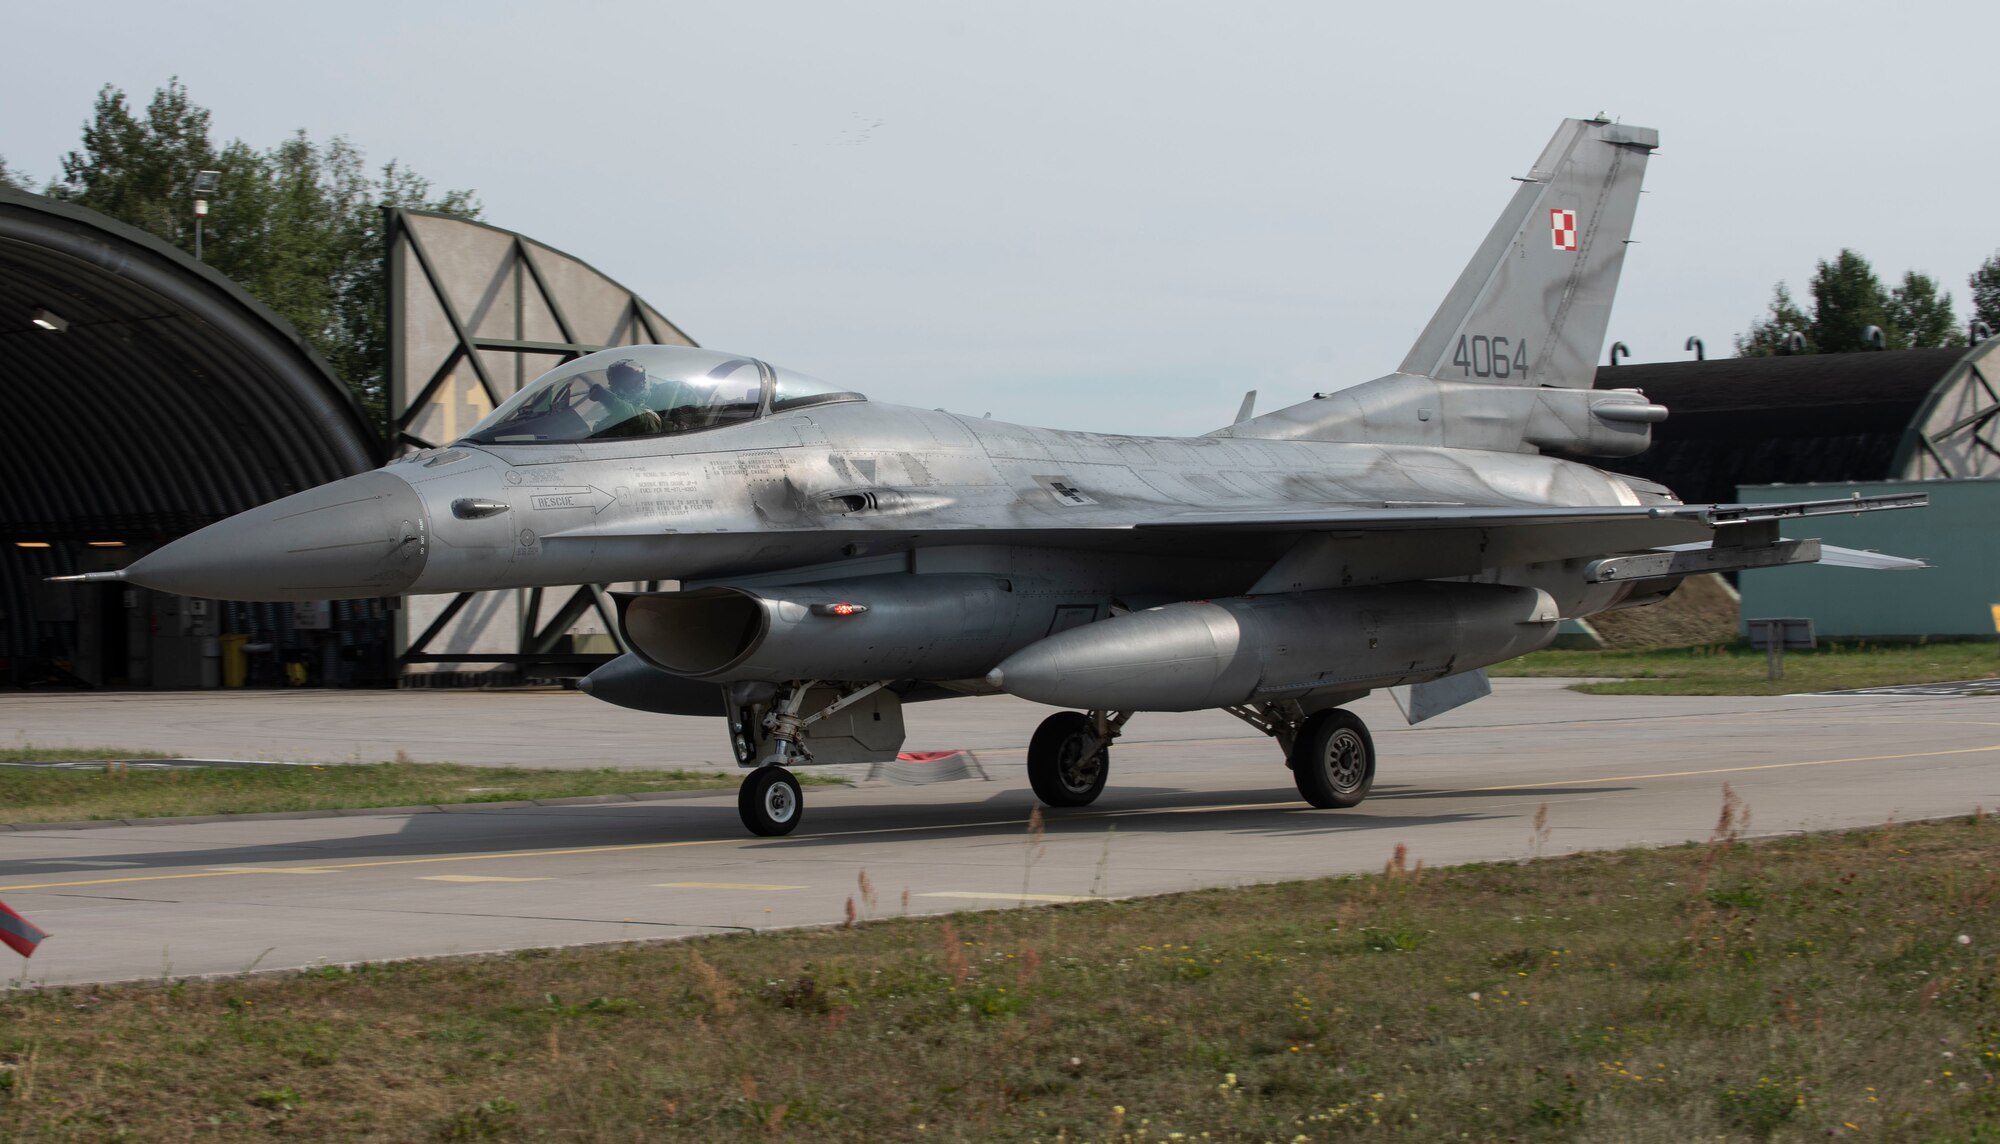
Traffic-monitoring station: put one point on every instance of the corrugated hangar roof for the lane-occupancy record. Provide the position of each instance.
(172, 399)
(1778, 420)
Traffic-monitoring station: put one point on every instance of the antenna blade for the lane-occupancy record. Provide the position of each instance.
(1248, 409)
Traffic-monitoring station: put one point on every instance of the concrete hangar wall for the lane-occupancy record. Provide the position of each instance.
(151, 396)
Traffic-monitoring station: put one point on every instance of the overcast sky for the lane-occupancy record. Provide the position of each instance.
(1113, 216)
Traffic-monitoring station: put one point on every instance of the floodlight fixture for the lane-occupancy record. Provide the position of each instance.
(206, 183)
(48, 320)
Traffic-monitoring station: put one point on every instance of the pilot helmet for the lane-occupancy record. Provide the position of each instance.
(627, 377)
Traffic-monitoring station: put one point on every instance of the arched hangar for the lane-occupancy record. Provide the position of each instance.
(145, 396)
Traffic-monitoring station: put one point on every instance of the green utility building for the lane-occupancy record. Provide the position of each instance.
(1955, 534)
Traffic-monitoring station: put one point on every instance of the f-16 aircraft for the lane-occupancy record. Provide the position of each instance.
(838, 558)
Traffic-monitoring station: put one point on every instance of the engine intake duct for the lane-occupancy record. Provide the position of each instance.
(1217, 653)
(874, 627)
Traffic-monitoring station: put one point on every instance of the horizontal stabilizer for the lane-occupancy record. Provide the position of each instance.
(1833, 556)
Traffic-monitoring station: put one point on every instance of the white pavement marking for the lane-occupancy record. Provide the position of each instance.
(476, 878)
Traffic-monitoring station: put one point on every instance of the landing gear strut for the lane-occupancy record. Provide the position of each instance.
(1070, 756)
(1330, 753)
(769, 731)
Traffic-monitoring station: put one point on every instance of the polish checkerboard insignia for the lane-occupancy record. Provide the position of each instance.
(1562, 228)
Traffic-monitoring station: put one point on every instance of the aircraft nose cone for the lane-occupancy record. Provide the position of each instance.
(360, 536)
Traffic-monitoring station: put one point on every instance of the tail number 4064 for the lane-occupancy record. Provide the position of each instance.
(1480, 355)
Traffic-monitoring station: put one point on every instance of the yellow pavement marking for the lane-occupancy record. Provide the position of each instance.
(723, 886)
(976, 896)
(476, 878)
(328, 867)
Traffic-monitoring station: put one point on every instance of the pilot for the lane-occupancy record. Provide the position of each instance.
(626, 411)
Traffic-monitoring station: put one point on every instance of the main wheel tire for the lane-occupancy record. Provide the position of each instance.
(1333, 760)
(769, 802)
(1067, 764)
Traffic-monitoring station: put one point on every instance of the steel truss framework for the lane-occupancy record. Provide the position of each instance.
(520, 268)
(1954, 434)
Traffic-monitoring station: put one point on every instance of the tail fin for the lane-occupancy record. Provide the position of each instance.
(1531, 307)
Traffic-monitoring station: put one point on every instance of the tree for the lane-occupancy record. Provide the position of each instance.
(1985, 283)
(10, 178)
(1923, 319)
(1847, 299)
(141, 170)
(1767, 334)
(299, 226)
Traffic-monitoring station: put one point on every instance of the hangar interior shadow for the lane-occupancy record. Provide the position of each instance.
(147, 396)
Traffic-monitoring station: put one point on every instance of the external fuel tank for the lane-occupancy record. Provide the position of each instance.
(1217, 653)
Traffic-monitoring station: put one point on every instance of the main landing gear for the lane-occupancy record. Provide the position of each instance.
(1333, 759)
(1070, 755)
(1330, 752)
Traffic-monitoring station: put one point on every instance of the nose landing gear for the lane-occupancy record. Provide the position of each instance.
(767, 731)
(769, 802)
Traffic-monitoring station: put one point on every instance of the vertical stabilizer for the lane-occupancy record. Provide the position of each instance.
(1531, 307)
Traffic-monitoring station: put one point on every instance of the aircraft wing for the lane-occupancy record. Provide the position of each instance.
(1430, 516)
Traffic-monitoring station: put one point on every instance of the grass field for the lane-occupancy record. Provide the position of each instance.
(1735, 669)
(1841, 986)
(34, 795)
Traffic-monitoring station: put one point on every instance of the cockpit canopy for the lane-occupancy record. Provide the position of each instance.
(648, 391)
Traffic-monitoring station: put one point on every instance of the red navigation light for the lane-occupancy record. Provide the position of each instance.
(845, 609)
(841, 609)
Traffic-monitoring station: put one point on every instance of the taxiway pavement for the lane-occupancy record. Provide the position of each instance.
(1195, 801)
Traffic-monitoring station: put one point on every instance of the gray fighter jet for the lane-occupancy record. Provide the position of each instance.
(838, 558)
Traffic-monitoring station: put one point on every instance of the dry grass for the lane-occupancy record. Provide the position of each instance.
(1735, 669)
(1703, 610)
(1838, 986)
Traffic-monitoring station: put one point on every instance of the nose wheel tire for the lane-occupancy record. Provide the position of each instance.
(1333, 759)
(1067, 763)
(770, 802)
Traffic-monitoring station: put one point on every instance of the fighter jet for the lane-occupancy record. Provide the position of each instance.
(837, 558)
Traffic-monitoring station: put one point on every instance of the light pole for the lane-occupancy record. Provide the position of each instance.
(205, 184)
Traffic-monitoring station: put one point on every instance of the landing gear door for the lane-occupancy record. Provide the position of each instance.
(869, 731)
